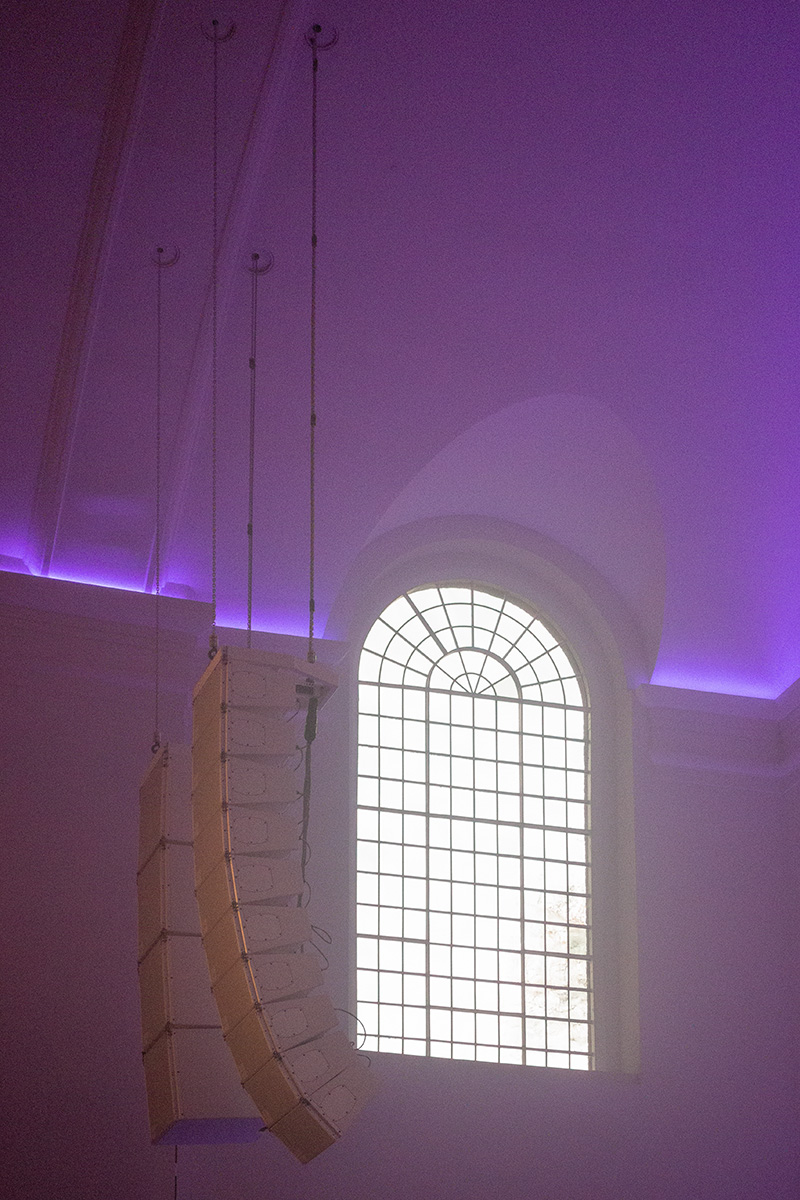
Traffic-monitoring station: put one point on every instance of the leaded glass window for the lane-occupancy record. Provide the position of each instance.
(473, 892)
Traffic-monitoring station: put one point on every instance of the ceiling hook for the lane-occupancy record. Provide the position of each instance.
(214, 33)
(261, 263)
(166, 256)
(321, 37)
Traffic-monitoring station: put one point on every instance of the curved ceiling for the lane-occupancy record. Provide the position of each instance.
(516, 200)
(567, 467)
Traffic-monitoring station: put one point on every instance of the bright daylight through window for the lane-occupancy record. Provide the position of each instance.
(473, 834)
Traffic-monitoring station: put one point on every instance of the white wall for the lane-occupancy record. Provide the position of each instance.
(714, 1112)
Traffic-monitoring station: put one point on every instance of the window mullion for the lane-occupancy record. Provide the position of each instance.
(521, 794)
(427, 872)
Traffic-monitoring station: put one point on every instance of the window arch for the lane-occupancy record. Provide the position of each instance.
(473, 894)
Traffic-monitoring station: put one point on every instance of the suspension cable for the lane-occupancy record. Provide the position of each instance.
(215, 40)
(156, 722)
(313, 42)
(317, 40)
(161, 261)
(212, 647)
(253, 328)
(215, 37)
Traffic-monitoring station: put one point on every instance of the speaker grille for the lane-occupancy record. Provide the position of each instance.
(304, 1076)
(193, 1091)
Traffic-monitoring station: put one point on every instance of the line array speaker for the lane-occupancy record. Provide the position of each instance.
(304, 1076)
(193, 1090)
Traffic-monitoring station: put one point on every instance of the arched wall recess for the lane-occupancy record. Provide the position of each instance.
(599, 629)
(411, 555)
(569, 469)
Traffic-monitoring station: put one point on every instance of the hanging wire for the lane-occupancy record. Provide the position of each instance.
(212, 647)
(358, 1021)
(310, 731)
(258, 266)
(313, 42)
(215, 37)
(160, 262)
(317, 43)
(215, 40)
(156, 723)
(175, 1182)
(309, 734)
(253, 328)
(322, 934)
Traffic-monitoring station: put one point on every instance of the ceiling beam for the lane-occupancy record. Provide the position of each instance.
(65, 394)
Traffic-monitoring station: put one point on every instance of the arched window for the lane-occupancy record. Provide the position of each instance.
(473, 894)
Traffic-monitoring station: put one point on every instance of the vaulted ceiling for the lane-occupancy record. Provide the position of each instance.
(558, 281)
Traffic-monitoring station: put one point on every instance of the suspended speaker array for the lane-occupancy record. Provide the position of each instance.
(193, 1091)
(298, 1067)
(225, 941)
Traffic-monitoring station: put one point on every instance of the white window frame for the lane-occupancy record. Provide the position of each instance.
(602, 630)
(470, 968)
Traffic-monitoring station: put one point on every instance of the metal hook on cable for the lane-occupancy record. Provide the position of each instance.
(261, 263)
(212, 32)
(166, 256)
(321, 37)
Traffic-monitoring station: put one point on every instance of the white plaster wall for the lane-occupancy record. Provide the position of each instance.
(713, 1115)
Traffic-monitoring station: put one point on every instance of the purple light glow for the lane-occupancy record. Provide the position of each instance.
(285, 623)
(15, 563)
(112, 584)
(689, 676)
(691, 680)
(557, 294)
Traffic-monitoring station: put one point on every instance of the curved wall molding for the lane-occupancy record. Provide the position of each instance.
(500, 554)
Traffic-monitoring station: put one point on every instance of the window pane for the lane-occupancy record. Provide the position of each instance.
(472, 786)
